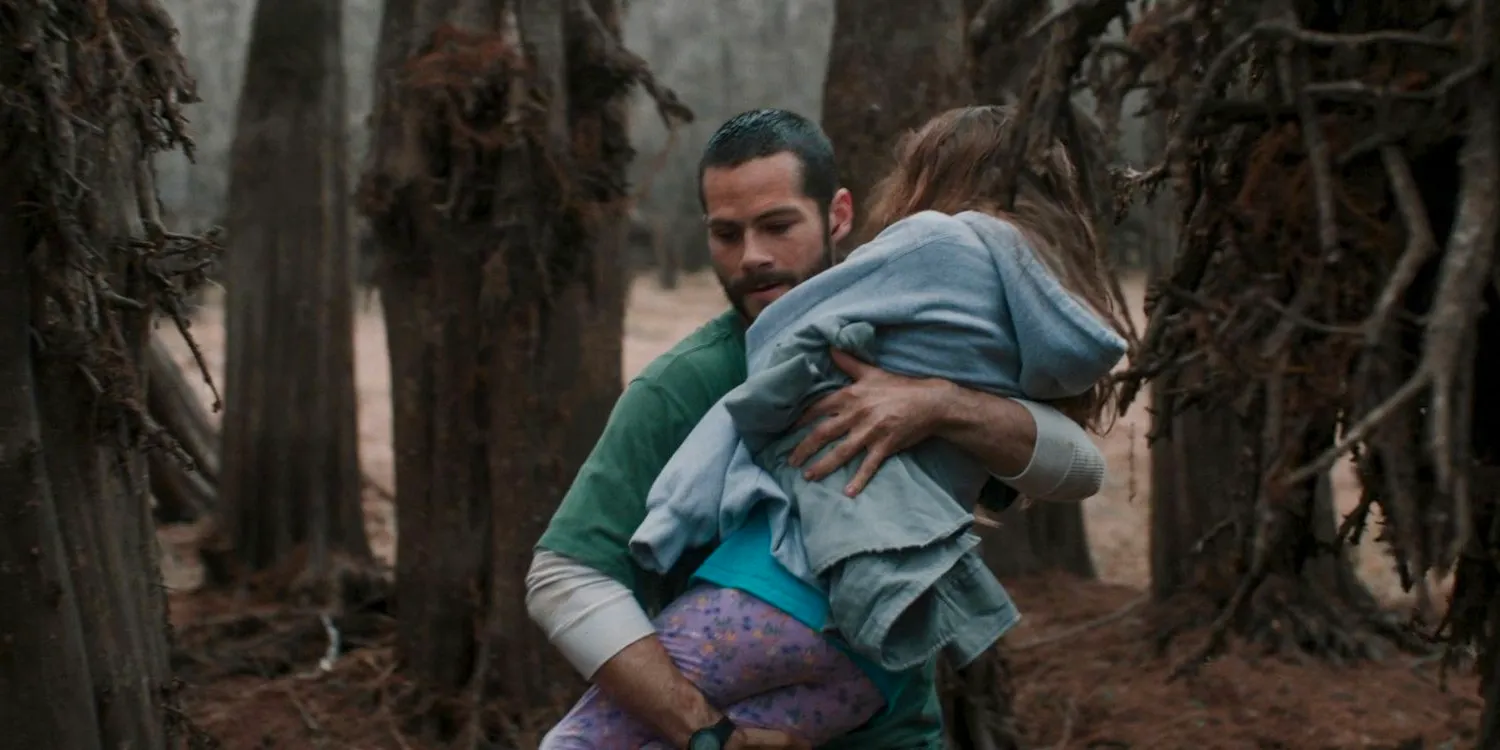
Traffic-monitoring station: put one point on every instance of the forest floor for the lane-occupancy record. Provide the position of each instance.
(1101, 687)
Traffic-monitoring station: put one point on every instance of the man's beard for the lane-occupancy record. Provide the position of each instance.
(740, 288)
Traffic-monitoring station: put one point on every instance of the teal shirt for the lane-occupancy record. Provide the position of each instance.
(608, 501)
(743, 561)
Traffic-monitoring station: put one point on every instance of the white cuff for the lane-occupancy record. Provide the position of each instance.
(1065, 466)
(587, 615)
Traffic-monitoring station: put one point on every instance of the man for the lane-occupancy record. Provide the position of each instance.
(774, 212)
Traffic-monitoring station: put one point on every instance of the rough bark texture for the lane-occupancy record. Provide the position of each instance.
(865, 111)
(291, 482)
(1203, 480)
(91, 90)
(506, 306)
(44, 673)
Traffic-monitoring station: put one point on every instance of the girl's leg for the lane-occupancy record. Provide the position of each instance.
(749, 658)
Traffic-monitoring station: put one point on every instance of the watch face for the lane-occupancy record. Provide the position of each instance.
(704, 740)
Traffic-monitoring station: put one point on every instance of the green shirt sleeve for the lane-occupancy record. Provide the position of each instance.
(608, 498)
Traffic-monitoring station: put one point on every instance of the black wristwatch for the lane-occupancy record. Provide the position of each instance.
(712, 738)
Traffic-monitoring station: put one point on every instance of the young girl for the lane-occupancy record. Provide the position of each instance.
(814, 611)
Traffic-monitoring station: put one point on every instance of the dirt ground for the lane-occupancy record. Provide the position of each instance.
(1099, 688)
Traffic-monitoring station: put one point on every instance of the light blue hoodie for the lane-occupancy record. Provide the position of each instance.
(962, 298)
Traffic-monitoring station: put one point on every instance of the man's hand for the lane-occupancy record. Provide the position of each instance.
(750, 738)
(879, 413)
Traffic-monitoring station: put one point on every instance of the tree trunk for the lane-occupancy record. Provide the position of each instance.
(291, 480)
(506, 317)
(1002, 55)
(1203, 480)
(865, 111)
(45, 673)
(865, 115)
(184, 490)
(1038, 538)
(83, 629)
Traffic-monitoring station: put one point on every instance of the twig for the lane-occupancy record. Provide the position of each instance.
(1070, 713)
(1293, 70)
(1361, 430)
(1420, 243)
(1227, 523)
(1462, 275)
(1296, 318)
(671, 109)
(1265, 526)
(307, 718)
(331, 656)
(1462, 278)
(1085, 627)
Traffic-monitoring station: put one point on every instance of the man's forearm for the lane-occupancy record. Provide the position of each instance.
(600, 628)
(997, 431)
(645, 681)
(1030, 446)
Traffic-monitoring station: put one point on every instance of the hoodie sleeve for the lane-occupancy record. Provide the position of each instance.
(682, 510)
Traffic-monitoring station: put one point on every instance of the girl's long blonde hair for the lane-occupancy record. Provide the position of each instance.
(955, 163)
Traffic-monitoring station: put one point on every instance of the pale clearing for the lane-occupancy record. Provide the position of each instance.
(1117, 518)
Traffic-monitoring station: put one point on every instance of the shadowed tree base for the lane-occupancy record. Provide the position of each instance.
(1285, 616)
(979, 704)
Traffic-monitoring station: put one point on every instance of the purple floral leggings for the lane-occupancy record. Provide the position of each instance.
(750, 659)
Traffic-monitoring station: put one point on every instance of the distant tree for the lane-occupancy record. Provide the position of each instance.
(881, 85)
(501, 230)
(889, 71)
(91, 91)
(290, 480)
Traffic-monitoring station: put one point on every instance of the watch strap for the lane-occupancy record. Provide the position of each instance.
(720, 731)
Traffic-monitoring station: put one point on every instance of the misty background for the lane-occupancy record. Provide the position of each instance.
(720, 56)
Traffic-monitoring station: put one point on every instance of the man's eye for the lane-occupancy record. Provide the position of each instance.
(778, 228)
(725, 235)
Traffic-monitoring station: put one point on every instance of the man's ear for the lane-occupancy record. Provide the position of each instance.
(841, 215)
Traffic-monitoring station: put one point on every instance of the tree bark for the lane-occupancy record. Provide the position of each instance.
(506, 318)
(45, 671)
(83, 627)
(291, 482)
(1203, 480)
(185, 491)
(1039, 538)
(865, 112)
(865, 115)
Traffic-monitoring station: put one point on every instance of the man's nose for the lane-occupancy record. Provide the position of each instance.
(757, 256)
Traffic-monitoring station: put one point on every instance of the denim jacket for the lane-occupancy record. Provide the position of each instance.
(962, 298)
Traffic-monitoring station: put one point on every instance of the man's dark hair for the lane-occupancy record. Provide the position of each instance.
(760, 133)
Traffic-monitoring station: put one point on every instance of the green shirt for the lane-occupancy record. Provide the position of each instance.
(608, 501)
